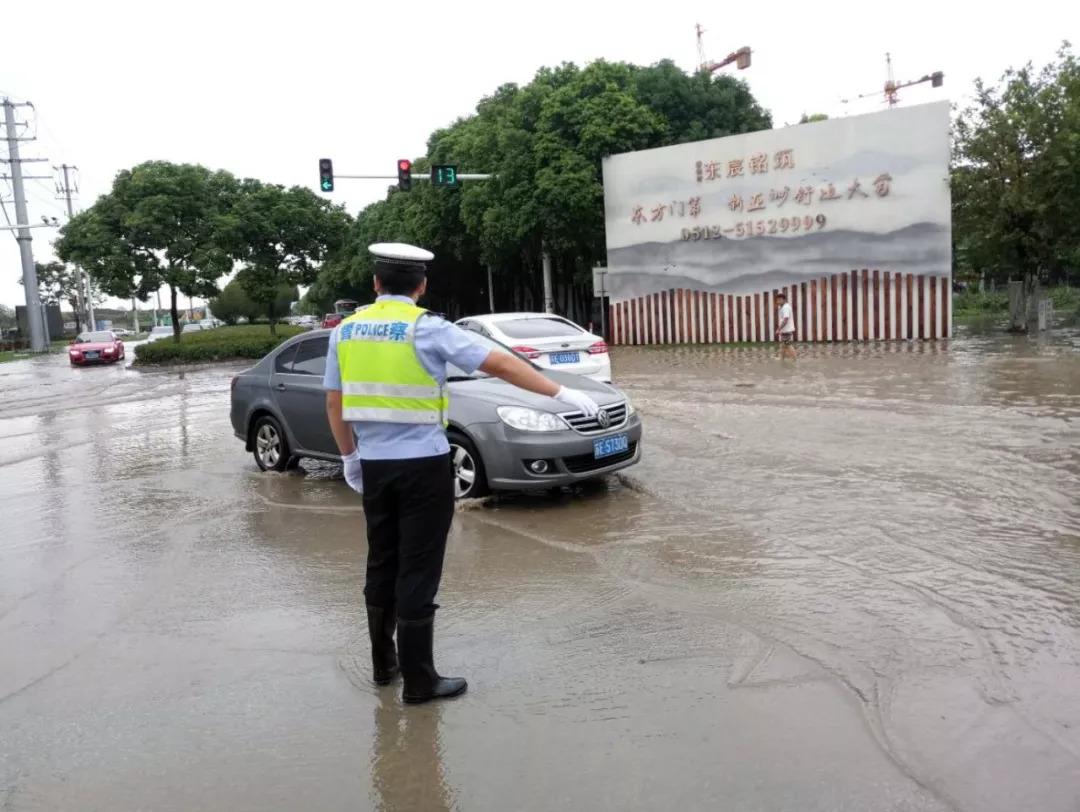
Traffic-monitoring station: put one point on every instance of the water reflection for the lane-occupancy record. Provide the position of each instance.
(407, 772)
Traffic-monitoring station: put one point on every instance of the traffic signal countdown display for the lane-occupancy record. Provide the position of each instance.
(404, 174)
(326, 174)
(444, 175)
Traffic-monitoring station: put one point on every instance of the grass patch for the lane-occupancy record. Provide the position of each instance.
(973, 306)
(971, 303)
(244, 341)
(58, 345)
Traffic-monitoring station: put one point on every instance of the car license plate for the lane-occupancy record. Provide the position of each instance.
(91, 355)
(610, 446)
(565, 357)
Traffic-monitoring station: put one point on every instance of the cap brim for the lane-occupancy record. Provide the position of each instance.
(393, 252)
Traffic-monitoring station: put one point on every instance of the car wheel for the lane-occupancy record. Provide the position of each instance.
(271, 449)
(470, 481)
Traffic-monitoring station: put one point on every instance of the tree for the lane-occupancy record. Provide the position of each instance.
(1016, 175)
(161, 223)
(7, 317)
(281, 236)
(59, 285)
(812, 117)
(311, 304)
(544, 143)
(233, 303)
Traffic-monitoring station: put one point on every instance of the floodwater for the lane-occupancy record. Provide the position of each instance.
(848, 583)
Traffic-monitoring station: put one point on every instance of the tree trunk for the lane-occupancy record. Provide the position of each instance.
(273, 320)
(175, 314)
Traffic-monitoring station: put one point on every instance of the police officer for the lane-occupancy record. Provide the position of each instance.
(387, 402)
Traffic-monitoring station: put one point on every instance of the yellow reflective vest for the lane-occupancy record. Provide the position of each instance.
(382, 378)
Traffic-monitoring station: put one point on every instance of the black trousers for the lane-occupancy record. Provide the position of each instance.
(409, 505)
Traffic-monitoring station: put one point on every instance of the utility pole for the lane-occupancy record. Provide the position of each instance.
(86, 293)
(491, 291)
(34, 319)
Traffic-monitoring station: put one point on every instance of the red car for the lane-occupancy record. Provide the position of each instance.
(101, 347)
(331, 320)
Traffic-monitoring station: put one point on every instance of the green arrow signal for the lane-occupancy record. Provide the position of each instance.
(327, 185)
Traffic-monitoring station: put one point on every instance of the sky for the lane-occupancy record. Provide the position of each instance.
(265, 89)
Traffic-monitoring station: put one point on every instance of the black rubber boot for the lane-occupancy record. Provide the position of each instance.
(422, 681)
(381, 623)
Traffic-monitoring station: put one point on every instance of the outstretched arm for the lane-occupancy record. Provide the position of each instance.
(513, 370)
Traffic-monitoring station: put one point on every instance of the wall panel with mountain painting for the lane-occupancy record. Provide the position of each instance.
(701, 236)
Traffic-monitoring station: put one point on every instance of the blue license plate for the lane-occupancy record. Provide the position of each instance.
(565, 357)
(91, 355)
(610, 446)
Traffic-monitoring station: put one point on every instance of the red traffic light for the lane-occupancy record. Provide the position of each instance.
(404, 174)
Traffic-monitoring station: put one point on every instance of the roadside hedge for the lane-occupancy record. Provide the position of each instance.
(248, 341)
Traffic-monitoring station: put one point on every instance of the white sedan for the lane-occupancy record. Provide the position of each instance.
(547, 340)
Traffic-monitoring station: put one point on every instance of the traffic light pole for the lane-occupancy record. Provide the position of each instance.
(414, 177)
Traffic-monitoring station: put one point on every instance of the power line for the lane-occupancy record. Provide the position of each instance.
(49, 201)
(3, 208)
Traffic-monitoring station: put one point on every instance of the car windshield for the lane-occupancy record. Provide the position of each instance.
(454, 373)
(537, 327)
(95, 338)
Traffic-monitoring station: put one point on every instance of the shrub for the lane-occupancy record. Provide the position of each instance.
(1065, 299)
(251, 341)
(972, 301)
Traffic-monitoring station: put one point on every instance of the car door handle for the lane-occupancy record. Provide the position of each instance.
(281, 387)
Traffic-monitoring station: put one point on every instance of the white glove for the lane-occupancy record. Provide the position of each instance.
(579, 400)
(353, 474)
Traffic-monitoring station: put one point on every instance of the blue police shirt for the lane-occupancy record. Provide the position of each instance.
(438, 342)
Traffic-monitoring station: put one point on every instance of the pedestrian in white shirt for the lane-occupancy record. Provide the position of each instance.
(785, 331)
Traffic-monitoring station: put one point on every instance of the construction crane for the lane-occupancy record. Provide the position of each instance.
(741, 57)
(892, 87)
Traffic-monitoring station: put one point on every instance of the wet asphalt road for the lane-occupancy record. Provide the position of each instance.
(852, 583)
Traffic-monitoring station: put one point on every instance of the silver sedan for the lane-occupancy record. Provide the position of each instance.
(501, 437)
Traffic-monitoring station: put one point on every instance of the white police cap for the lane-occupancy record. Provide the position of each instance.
(399, 252)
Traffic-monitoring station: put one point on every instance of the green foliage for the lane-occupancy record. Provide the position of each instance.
(233, 303)
(1016, 175)
(281, 236)
(545, 143)
(311, 304)
(972, 301)
(162, 223)
(1065, 299)
(812, 117)
(251, 341)
(57, 284)
(7, 317)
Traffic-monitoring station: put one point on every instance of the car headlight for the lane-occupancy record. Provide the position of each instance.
(630, 408)
(522, 419)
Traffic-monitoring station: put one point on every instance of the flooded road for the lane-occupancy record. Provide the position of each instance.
(851, 583)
